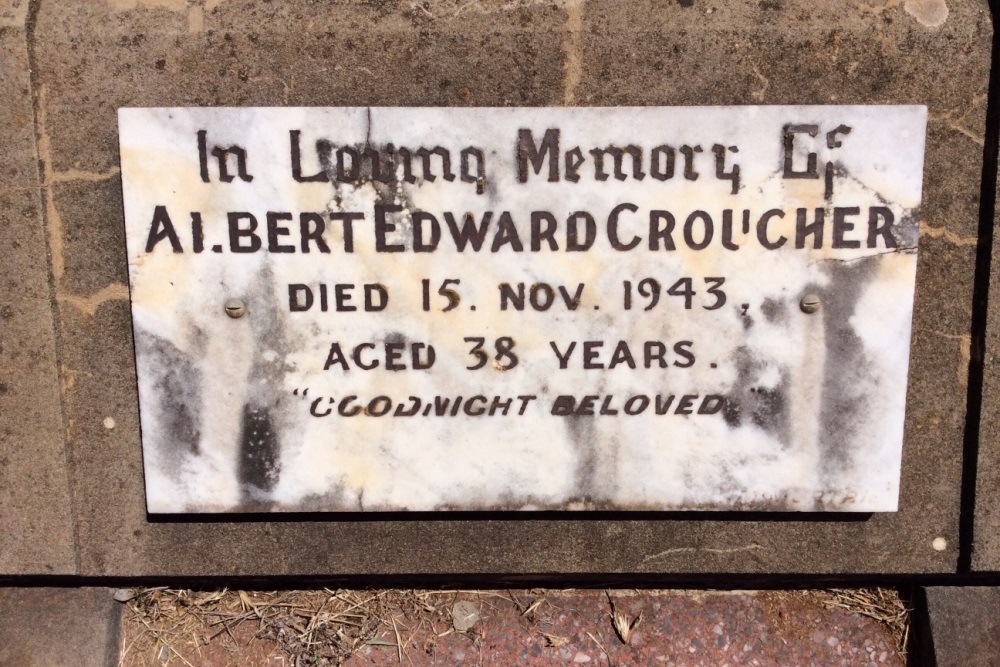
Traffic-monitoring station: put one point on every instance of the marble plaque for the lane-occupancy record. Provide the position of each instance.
(658, 308)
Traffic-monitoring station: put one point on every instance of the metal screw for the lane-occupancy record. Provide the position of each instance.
(809, 303)
(235, 308)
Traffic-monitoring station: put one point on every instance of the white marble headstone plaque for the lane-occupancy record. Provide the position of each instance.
(498, 309)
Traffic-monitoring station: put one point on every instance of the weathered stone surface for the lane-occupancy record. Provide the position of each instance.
(19, 161)
(986, 534)
(964, 625)
(95, 57)
(35, 512)
(59, 627)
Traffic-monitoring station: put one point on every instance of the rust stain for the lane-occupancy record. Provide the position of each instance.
(947, 235)
(88, 305)
(573, 48)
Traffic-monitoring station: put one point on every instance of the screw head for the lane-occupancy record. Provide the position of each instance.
(235, 308)
(809, 303)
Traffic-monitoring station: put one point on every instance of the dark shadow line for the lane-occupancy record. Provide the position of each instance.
(920, 649)
(502, 580)
(980, 300)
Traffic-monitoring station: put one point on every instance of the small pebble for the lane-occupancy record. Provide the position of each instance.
(464, 615)
(581, 657)
(123, 595)
(109, 423)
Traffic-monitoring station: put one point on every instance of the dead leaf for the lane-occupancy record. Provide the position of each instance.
(554, 641)
(623, 625)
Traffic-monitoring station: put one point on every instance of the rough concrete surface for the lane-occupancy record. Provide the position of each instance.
(92, 57)
(965, 626)
(58, 627)
(986, 535)
(36, 532)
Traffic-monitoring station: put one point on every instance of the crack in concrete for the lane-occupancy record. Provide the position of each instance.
(964, 355)
(707, 550)
(759, 94)
(71, 175)
(947, 235)
(53, 220)
(65, 400)
(88, 305)
(573, 48)
(952, 119)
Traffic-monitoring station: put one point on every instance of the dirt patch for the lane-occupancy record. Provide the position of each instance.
(432, 627)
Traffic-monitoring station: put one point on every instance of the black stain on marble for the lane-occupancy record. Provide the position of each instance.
(774, 310)
(849, 393)
(264, 421)
(390, 190)
(259, 449)
(745, 319)
(583, 434)
(849, 396)
(177, 383)
(906, 231)
(751, 403)
(395, 338)
(595, 474)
